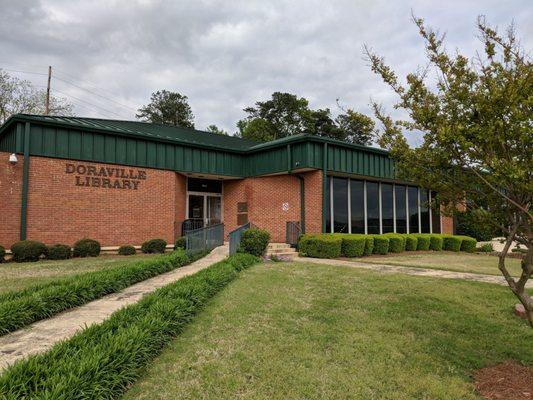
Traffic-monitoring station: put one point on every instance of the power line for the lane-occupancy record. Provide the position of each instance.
(24, 72)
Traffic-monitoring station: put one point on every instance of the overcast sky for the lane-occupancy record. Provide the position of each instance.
(225, 55)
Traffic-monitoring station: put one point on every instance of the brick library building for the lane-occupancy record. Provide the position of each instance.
(67, 178)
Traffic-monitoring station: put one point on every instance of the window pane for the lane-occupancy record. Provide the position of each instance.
(387, 216)
(372, 203)
(340, 205)
(204, 185)
(435, 213)
(424, 210)
(401, 215)
(328, 206)
(413, 209)
(358, 206)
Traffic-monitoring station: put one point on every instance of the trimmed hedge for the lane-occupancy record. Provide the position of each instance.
(154, 246)
(102, 361)
(86, 248)
(369, 245)
(353, 245)
(59, 252)
(396, 242)
(423, 242)
(127, 250)
(381, 244)
(180, 243)
(468, 244)
(486, 248)
(18, 309)
(28, 250)
(2, 254)
(435, 242)
(451, 243)
(320, 246)
(411, 242)
(254, 242)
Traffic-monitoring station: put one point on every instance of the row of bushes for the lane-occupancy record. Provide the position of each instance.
(30, 250)
(354, 245)
(103, 360)
(18, 309)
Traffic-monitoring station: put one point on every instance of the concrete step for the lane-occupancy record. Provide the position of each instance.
(279, 246)
(289, 255)
(281, 250)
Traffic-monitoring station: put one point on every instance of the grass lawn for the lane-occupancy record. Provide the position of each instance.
(18, 276)
(305, 331)
(447, 260)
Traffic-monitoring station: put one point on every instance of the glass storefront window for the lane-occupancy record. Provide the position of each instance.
(412, 196)
(357, 200)
(424, 210)
(328, 205)
(435, 213)
(387, 208)
(372, 206)
(340, 205)
(401, 214)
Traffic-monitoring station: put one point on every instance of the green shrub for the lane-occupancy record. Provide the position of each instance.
(86, 248)
(127, 250)
(411, 242)
(423, 242)
(59, 252)
(320, 246)
(369, 245)
(468, 244)
(154, 246)
(2, 254)
(476, 223)
(353, 245)
(21, 308)
(451, 242)
(103, 360)
(435, 242)
(396, 243)
(180, 243)
(486, 248)
(254, 242)
(381, 244)
(27, 250)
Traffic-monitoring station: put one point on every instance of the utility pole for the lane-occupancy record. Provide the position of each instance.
(47, 101)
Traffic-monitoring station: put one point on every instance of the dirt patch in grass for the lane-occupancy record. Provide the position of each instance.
(509, 381)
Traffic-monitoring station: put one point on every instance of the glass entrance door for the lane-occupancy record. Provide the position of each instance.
(214, 210)
(205, 209)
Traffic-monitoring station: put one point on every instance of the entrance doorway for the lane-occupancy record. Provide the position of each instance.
(206, 208)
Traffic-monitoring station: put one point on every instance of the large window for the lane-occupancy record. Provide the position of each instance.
(435, 214)
(372, 206)
(340, 205)
(401, 214)
(424, 210)
(357, 202)
(387, 208)
(412, 196)
(357, 206)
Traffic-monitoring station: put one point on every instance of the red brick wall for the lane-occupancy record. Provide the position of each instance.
(446, 224)
(266, 197)
(59, 211)
(10, 199)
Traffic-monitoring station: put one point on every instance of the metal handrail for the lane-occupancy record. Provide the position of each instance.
(235, 237)
(195, 223)
(204, 239)
(293, 231)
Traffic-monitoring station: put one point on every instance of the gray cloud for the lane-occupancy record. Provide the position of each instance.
(225, 55)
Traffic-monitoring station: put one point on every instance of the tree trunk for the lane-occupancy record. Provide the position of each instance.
(519, 287)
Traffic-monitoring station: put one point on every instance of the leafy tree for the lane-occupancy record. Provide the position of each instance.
(476, 121)
(169, 108)
(20, 96)
(215, 129)
(286, 114)
(356, 127)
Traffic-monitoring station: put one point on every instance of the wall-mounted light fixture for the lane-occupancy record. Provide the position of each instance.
(13, 159)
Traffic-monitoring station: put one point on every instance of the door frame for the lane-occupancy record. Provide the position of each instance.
(205, 195)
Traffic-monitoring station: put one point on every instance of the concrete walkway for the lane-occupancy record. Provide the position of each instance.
(42, 335)
(434, 273)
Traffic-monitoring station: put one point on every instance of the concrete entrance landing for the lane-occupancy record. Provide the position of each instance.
(42, 335)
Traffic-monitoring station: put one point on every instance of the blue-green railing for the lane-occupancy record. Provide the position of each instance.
(236, 236)
(204, 239)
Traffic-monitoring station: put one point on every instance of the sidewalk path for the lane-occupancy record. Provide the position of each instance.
(41, 335)
(435, 273)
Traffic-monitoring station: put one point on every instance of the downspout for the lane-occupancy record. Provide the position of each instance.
(25, 179)
(324, 186)
(302, 188)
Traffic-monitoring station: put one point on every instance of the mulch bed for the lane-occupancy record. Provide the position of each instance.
(506, 381)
